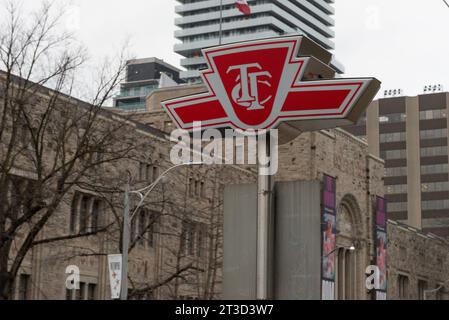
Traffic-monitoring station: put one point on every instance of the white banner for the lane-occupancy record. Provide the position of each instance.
(328, 290)
(115, 274)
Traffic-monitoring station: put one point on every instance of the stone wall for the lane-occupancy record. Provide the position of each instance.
(421, 259)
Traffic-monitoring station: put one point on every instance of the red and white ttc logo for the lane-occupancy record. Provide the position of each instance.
(259, 84)
(246, 92)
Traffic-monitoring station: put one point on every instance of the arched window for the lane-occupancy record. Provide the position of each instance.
(74, 212)
(84, 214)
(96, 208)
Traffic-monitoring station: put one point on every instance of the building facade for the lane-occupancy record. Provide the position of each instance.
(142, 77)
(411, 134)
(199, 24)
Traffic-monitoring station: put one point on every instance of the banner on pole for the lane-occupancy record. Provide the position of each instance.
(329, 234)
(381, 241)
(115, 274)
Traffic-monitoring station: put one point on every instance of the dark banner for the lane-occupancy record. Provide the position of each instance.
(329, 233)
(381, 241)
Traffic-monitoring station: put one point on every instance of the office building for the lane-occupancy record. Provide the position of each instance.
(411, 134)
(199, 24)
(142, 77)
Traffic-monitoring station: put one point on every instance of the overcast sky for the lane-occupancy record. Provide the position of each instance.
(404, 43)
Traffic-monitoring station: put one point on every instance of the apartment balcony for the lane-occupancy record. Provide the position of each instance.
(192, 61)
(190, 74)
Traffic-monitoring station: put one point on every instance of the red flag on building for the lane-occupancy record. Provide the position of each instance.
(243, 6)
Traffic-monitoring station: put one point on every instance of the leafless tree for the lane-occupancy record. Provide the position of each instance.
(57, 139)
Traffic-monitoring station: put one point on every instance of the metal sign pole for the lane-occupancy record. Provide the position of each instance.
(264, 190)
(125, 245)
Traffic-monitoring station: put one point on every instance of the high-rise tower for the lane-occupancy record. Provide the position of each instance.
(199, 24)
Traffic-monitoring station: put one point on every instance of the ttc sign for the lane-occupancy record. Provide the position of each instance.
(263, 84)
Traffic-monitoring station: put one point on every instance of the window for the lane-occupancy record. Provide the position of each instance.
(435, 187)
(393, 118)
(84, 211)
(191, 186)
(435, 169)
(422, 287)
(345, 277)
(155, 173)
(434, 151)
(392, 137)
(397, 206)
(143, 171)
(193, 238)
(433, 114)
(433, 134)
(151, 230)
(148, 172)
(202, 190)
(143, 227)
(397, 189)
(435, 205)
(403, 286)
(86, 291)
(73, 212)
(96, 207)
(24, 287)
(396, 172)
(68, 294)
(80, 292)
(394, 154)
(91, 291)
(196, 188)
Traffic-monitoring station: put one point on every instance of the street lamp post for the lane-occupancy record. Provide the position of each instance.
(127, 219)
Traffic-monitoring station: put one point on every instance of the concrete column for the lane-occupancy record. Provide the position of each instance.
(372, 128)
(413, 163)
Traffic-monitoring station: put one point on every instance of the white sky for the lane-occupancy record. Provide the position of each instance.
(404, 43)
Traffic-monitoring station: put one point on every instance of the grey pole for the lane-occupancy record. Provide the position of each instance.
(125, 245)
(264, 212)
(220, 33)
